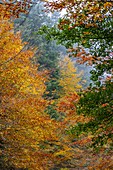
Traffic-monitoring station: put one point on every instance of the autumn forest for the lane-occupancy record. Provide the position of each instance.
(56, 85)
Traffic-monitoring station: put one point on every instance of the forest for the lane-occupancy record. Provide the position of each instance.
(56, 85)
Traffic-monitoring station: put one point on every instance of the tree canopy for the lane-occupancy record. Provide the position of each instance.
(48, 120)
(86, 30)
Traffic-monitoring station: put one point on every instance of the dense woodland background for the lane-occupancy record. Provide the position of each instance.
(56, 85)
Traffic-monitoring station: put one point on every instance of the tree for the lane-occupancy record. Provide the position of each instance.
(88, 25)
(24, 124)
(68, 85)
(29, 138)
(47, 52)
(80, 25)
(69, 80)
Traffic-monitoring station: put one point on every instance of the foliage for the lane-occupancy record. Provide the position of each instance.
(69, 80)
(23, 121)
(47, 53)
(30, 138)
(97, 105)
(11, 9)
(88, 25)
(53, 86)
(82, 26)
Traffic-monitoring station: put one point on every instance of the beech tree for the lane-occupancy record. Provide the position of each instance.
(88, 24)
(29, 137)
(86, 31)
(24, 124)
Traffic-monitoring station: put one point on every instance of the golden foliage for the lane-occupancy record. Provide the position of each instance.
(69, 79)
(23, 121)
